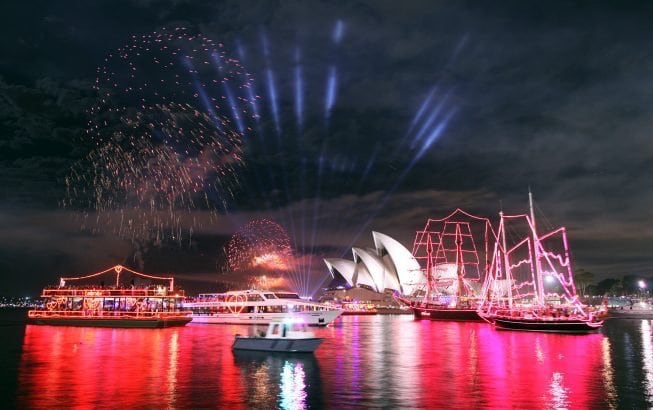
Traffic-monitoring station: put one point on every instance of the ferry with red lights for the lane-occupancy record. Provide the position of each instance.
(353, 308)
(259, 307)
(101, 300)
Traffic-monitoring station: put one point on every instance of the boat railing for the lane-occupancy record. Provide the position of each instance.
(542, 314)
(112, 292)
(101, 314)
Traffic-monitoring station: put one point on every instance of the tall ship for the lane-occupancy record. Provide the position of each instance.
(531, 286)
(258, 307)
(453, 252)
(102, 300)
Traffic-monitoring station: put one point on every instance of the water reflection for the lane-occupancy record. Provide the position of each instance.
(173, 359)
(558, 392)
(289, 381)
(424, 364)
(647, 353)
(82, 367)
(607, 374)
(293, 384)
(372, 361)
(631, 362)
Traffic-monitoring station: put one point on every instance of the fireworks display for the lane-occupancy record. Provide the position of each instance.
(261, 245)
(174, 117)
(306, 150)
(167, 133)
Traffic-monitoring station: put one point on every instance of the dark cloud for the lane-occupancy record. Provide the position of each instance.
(555, 96)
(41, 128)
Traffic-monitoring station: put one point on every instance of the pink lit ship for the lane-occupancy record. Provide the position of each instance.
(450, 251)
(153, 303)
(530, 286)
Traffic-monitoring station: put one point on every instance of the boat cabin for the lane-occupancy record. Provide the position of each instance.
(287, 329)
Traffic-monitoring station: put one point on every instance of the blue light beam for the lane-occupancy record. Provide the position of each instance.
(272, 88)
(229, 94)
(250, 90)
(330, 97)
(186, 62)
(338, 32)
(299, 90)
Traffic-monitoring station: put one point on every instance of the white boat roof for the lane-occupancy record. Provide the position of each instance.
(265, 293)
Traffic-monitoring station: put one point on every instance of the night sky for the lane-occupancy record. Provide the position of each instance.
(365, 116)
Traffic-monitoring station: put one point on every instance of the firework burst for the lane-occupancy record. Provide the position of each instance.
(167, 133)
(261, 245)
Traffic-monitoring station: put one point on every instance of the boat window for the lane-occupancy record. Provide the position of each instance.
(210, 297)
(299, 327)
(287, 295)
(270, 296)
(254, 298)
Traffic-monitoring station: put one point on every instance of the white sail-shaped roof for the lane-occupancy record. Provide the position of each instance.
(387, 266)
(345, 268)
(364, 277)
(408, 271)
(383, 278)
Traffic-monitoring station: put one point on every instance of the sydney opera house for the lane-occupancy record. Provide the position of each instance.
(384, 269)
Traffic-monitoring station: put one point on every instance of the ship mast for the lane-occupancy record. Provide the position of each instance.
(460, 263)
(429, 251)
(536, 252)
(502, 228)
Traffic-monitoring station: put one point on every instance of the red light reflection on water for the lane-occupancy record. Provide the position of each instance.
(427, 364)
(88, 367)
(367, 361)
(552, 370)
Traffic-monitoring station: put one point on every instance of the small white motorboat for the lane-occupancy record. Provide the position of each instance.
(286, 336)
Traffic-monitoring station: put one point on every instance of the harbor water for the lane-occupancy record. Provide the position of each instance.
(383, 361)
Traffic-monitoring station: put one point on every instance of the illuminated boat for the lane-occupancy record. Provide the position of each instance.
(146, 302)
(531, 286)
(259, 307)
(288, 336)
(449, 250)
(354, 308)
(543, 321)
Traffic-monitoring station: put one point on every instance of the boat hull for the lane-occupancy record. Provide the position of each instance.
(286, 345)
(553, 326)
(310, 318)
(450, 314)
(144, 323)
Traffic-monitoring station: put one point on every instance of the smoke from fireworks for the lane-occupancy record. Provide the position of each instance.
(167, 133)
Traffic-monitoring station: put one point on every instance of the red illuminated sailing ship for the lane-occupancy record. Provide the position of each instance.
(448, 250)
(530, 285)
(147, 302)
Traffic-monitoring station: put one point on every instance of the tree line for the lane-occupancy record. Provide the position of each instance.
(627, 285)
